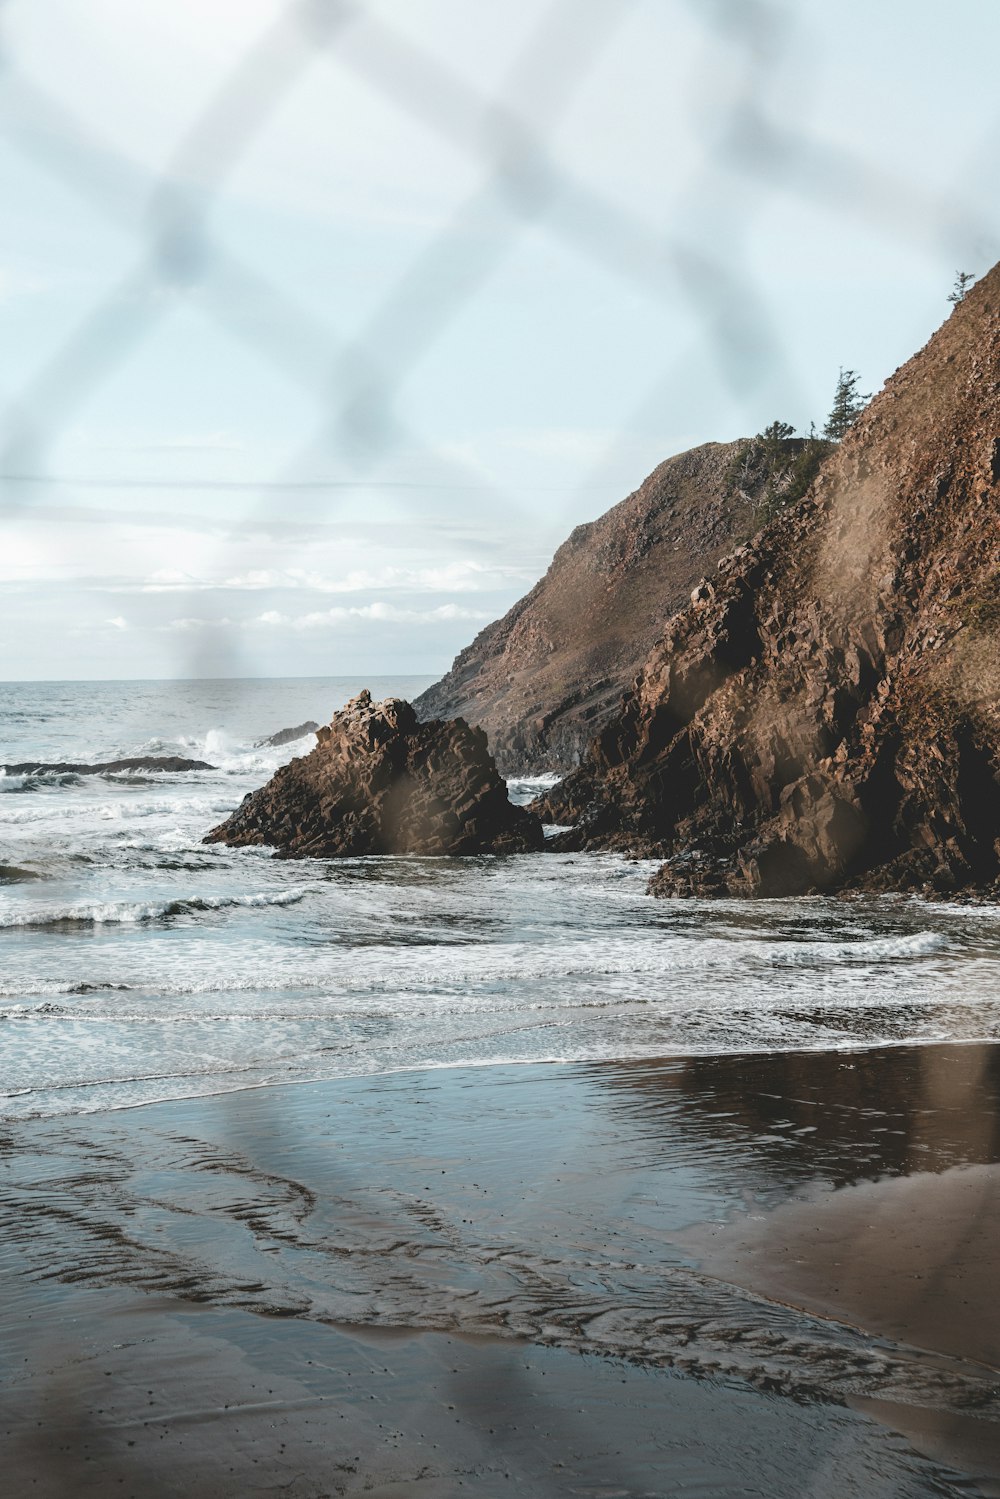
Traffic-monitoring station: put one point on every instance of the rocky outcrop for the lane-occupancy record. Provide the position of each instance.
(825, 712)
(542, 680)
(174, 764)
(380, 782)
(287, 736)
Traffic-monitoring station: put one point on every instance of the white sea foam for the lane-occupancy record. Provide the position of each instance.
(144, 964)
(868, 950)
(524, 789)
(105, 913)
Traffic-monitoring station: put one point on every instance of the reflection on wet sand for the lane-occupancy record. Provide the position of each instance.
(904, 1246)
(635, 1211)
(772, 1121)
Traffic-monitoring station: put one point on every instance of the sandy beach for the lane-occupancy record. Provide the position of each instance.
(601, 1280)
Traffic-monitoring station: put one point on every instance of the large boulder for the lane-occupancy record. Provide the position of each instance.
(380, 782)
(825, 712)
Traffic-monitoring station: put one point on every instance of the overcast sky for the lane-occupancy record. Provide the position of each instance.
(323, 324)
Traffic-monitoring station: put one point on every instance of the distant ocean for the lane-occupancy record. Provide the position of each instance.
(138, 964)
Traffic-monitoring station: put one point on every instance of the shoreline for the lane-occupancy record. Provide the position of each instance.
(471, 1064)
(539, 1214)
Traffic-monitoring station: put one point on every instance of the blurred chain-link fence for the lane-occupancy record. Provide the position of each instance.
(351, 379)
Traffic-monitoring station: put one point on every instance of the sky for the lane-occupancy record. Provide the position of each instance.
(324, 323)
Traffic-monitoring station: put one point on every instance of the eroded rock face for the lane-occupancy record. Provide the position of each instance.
(380, 782)
(542, 680)
(825, 713)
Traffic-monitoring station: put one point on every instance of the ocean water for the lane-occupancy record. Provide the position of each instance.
(137, 964)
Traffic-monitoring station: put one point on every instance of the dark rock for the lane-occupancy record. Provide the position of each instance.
(827, 715)
(545, 678)
(380, 782)
(287, 736)
(172, 763)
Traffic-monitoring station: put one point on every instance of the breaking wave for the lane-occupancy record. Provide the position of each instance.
(109, 913)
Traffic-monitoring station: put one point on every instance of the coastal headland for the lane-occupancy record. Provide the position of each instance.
(825, 712)
(823, 715)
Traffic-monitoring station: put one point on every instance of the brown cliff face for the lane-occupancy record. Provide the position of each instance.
(826, 711)
(379, 782)
(542, 680)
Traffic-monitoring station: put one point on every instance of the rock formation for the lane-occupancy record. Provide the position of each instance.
(172, 763)
(825, 712)
(380, 782)
(287, 736)
(543, 679)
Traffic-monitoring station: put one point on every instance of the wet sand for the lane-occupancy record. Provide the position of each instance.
(685, 1277)
(910, 1259)
(155, 1401)
(914, 1258)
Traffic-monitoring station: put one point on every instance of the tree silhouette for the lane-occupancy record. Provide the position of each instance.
(777, 432)
(847, 406)
(963, 280)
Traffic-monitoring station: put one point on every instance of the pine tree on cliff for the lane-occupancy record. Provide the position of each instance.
(963, 280)
(847, 406)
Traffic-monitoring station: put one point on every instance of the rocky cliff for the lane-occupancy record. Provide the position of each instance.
(543, 679)
(379, 782)
(825, 712)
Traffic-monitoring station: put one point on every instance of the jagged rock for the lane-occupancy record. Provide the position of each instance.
(542, 680)
(287, 736)
(380, 782)
(828, 715)
(172, 763)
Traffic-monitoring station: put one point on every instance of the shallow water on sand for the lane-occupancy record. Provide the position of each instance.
(139, 964)
(536, 1206)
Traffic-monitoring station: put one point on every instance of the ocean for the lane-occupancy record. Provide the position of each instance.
(140, 965)
(482, 1175)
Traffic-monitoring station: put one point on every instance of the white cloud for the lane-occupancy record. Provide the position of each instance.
(378, 612)
(189, 624)
(164, 580)
(464, 576)
(119, 622)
